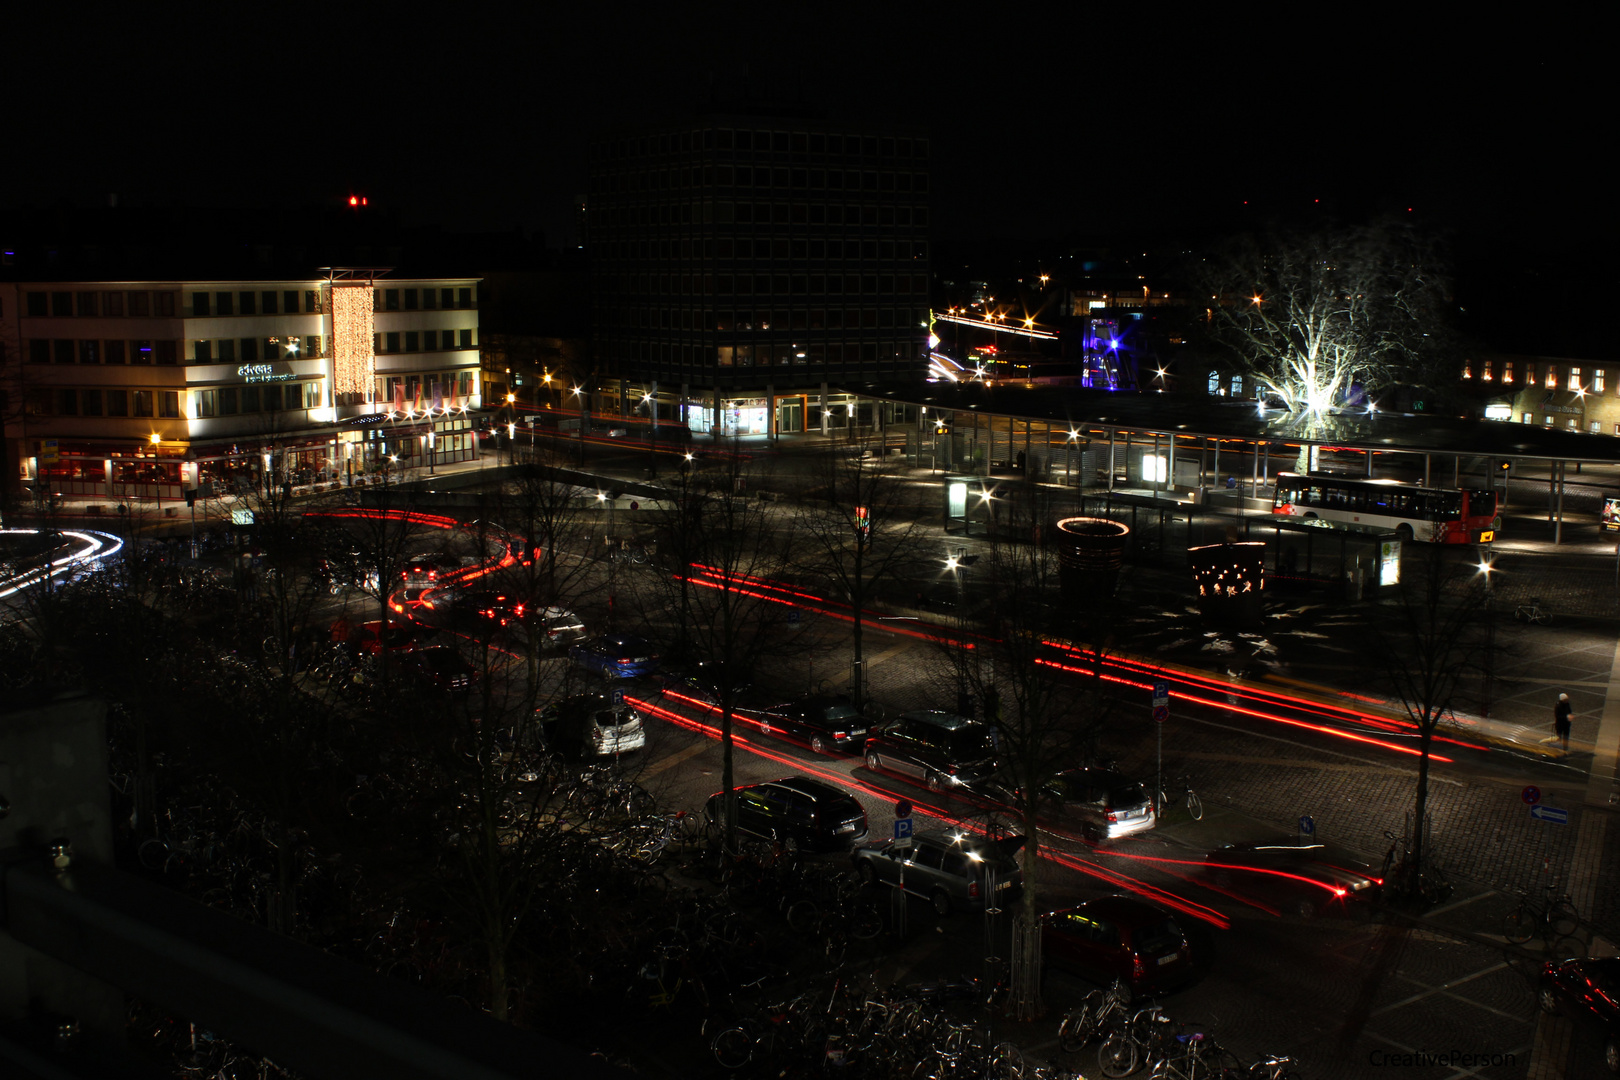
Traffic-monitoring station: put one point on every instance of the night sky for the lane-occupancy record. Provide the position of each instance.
(1043, 124)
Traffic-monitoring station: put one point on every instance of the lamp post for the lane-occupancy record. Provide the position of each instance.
(584, 420)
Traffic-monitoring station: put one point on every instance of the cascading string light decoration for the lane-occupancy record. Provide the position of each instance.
(353, 368)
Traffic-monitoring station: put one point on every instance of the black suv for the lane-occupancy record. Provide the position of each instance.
(827, 722)
(940, 749)
(795, 811)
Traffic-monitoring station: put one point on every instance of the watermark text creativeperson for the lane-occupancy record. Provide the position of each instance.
(1454, 1059)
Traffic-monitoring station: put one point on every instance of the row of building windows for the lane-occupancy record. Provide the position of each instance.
(230, 350)
(1594, 427)
(88, 351)
(424, 299)
(730, 213)
(421, 340)
(890, 285)
(133, 303)
(770, 355)
(1572, 380)
(269, 397)
(745, 176)
(254, 303)
(419, 391)
(759, 142)
(744, 248)
(100, 401)
(726, 320)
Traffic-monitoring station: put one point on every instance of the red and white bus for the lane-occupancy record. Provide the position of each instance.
(1439, 515)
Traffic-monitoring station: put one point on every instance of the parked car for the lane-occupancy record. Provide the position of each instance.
(1304, 879)
(1118, 937)
(427, 569)
(441, 668)
(1095, 805)
(1588, 992)
(615, 656)
(826, 722)
(560, 627)
(795, 811)
(940, 749)
(952, 869)
(591, 725)
(372, 637)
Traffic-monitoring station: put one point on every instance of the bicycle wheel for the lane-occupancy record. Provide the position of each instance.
(803, 916)
(732, 1048)
(1195, 806)
(1079, 1025)
(1570, 946)
(1118, 1056)
(1562, 918)
(1006, 1062)
(1520, 925)
(866, 923)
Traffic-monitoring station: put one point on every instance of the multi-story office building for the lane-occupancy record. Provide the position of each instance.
(742, 265)
(141, 388)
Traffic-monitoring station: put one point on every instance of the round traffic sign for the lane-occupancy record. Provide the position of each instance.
(1161, 713)
(1531, 794)
(902, 808)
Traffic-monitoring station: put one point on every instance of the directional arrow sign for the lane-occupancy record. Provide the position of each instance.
(1550, 814)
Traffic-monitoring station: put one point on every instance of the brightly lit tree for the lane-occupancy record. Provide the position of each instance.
(1309, 317)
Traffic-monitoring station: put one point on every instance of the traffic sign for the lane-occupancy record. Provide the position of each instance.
(1161, 694)
(902, 808)
(1307, 826)
(793, 616)
(1161, 713)
(1550, 814)
(902, 828)
(1531, 794)
(618, 697)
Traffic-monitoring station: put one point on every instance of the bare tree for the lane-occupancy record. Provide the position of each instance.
(1049, 710)
(860, 538)
(1431, 642)
(1308, 316)
(719, 541)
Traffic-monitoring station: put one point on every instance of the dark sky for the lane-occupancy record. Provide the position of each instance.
(1043, 123)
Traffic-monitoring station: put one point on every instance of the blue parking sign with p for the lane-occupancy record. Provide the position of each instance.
(618, 697)
(902, 828)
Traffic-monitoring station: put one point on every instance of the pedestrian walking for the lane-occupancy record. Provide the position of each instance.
(1561, 715)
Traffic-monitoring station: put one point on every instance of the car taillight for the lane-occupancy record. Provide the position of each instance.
(1138, 969)
(1112, 816)
(973, 889)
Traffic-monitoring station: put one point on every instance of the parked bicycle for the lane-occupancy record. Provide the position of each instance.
(1532, 612)
(1098, 1013)
(1180, 791)
(1552, 917)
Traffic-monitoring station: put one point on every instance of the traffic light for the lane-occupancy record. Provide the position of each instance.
(1503, 466)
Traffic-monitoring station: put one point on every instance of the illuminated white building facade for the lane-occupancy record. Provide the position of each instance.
(139, 388)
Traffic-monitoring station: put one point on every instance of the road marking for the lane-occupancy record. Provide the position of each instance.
(887, 654)
(1443, 988)
(1432, 912)
(676, 758)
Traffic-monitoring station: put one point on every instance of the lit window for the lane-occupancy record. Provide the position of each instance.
(1552, 377)
(1529, 374)
(1507, 371)
(1468, 369)
(1574, 378)
(1595, 427)
(1485, 372)
(1214, 382)
(1597, 380)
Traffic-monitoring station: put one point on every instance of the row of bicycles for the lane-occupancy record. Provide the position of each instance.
(1131, 1037)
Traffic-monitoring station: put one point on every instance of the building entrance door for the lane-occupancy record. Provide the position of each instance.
(790, 417)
